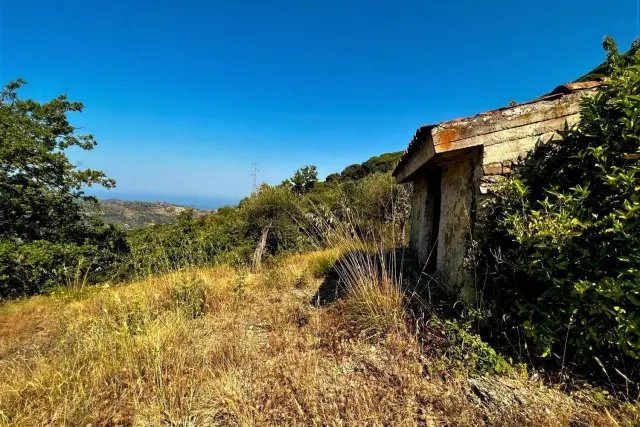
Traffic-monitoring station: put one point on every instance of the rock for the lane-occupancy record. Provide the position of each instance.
(494, 393)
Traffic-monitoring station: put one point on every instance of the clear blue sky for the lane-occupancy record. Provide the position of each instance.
(183, 96)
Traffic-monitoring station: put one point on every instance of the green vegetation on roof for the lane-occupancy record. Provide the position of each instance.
(603, 70)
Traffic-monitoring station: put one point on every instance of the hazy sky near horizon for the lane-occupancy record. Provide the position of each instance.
(184, 96)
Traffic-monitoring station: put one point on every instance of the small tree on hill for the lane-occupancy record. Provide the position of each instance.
(304, 180)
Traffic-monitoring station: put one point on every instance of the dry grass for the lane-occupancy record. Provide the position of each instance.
(225, 347)
(375, 302)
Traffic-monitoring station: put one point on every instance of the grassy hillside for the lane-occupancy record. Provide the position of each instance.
(134, 214)
(222, 346)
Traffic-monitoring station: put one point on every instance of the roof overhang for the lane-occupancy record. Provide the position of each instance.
(431, 142)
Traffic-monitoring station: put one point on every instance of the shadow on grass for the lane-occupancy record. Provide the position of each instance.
(401, 263)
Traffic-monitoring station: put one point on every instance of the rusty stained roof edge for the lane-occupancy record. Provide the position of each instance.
(414, 145)
(560, 91)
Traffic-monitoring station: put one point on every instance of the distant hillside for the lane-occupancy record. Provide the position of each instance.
(134, 214)
(131, 214)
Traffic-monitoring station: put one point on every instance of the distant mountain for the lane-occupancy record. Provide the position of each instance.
(133, 214)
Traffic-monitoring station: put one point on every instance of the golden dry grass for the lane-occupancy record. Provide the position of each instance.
(219, 346)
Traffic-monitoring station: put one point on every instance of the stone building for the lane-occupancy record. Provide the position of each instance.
(453, 165)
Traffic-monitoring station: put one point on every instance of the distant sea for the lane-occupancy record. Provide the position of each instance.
(200, 202)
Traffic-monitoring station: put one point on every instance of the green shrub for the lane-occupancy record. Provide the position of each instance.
(465, 351)
(277, 209)
(229, 236)
(41, 266)
(191, 242)
(566, 232)
(135, 316)
(129, 315)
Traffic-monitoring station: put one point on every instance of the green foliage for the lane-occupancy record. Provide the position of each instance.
(378, 164)
(322, 266)
(353, 172)
(42, 265)
(464, 350)
(130, 315)
(332, 178)
(304, 179)
(40, 186)
(382, 163)
(229, 236)
(275, 208)
(43, 231)
(379, 198)
(192, 241)
(604, 70)
(564, 251)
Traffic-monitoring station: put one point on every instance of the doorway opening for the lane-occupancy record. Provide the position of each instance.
(432, 211)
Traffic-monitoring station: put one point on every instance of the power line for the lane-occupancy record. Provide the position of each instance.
(254, 174)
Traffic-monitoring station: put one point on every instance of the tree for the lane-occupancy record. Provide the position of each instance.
(270, 220)
(353, 172)
(40, 189)
(332, 178)
(44, 232)
(304, 179)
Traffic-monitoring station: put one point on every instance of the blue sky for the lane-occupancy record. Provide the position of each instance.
(184, 96)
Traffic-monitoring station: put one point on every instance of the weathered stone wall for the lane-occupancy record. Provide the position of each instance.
(457, 213)
(456, 182)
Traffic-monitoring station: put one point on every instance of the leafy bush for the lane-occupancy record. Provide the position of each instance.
(193, 241)
(322, 265)
(564, 246)
(378, 164)
(39, 266)
(380, 200)
(229, 236)
(463, 350)
(276, 209)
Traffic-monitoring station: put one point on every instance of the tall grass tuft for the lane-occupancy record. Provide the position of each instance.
(368, 271)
